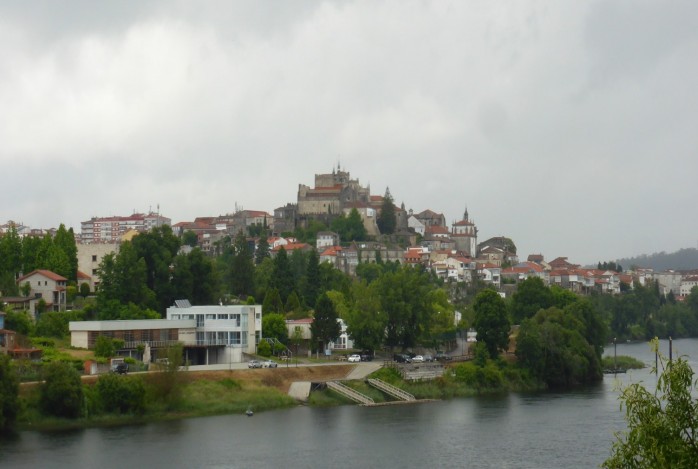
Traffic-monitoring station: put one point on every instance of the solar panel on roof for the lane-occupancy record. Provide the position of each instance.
(182, 304)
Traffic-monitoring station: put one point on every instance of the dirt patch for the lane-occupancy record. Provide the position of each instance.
(280, 378)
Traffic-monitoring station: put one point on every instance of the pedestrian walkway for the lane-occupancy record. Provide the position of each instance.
(363, 369)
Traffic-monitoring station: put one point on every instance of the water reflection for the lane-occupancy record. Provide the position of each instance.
(542, 430)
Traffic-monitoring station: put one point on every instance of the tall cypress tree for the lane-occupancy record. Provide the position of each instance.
(386, 219)
(242, 267)
(282, 275)
(312, 278)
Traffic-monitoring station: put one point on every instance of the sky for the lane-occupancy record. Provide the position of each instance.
(569, 127)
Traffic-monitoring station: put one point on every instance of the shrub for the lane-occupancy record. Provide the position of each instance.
(61, 392)
(264, 349)
(121, 394)
(9, 391)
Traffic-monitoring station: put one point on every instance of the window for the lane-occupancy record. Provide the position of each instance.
(94, 258)
(235, 338)
(222, 316)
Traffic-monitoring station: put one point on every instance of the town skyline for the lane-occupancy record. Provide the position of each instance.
(565, 127)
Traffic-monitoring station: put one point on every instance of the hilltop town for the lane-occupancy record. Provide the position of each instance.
(389, 233)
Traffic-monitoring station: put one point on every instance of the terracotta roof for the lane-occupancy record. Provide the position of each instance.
(292, 246)
(300, 321)
(436, 229)
(464, 223)
(331, 251)
(82, 275)
(46, 273)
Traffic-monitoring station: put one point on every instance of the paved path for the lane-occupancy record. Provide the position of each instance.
(363, 369)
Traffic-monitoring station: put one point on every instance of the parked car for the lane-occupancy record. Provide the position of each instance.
(269, 364)
(441, 356)
(417, 359)
(120, 368)
(254, 364)
(367, 356)
(402, 358)
(355, 358)
(428, 358)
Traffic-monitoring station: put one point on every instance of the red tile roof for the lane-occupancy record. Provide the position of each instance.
(46, 273)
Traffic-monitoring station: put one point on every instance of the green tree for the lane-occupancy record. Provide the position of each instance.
(262, 251)
(121, 394)
(65, 241)
(405, 299)
(61, 391)
(189, 238)
(30, 251)
(272, 302)
(55, 324)
(351, 227)
(491, 321)
(9, 394)
(158, 248)
(553, 347)
(194, 277)
(366, 322)
(20, 322)
(282, 275)
(311, 285)
(274, 327)
(293, 303)
(530, 297)
(242, 267)
(325, 327)
(10, 261)
(124, 279)
(662, 425)
(104, 347)
(387, 221)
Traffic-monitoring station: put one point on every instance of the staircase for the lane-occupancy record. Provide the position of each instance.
(391, 390)
(352, 394)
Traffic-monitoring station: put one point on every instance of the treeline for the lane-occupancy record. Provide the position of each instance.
(643, 313)
(23, 255)
(683, 259)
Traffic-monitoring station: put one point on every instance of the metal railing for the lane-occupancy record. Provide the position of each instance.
(390, 389)
(352, 394)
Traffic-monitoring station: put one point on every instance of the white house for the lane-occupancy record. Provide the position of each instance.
(48, 286)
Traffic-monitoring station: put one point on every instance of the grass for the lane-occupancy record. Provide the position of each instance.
(621, 361)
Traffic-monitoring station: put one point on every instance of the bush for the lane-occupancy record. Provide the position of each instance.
(61, 391)
(264, 349)
(9, 391)
(104, 347)
(121, 394)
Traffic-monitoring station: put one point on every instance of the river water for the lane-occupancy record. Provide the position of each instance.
(543, 430)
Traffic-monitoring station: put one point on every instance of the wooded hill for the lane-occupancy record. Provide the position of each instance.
(683, 259)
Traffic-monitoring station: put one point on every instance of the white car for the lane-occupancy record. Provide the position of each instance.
(269, 364)
(354, 358)
(418, 359)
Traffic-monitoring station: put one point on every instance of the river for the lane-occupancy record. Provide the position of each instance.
(543, 430)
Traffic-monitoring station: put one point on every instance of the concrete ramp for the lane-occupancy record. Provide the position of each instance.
(300, 390)
(363, 369)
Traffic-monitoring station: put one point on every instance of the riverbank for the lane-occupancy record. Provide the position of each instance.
(203, 393)
(206, 393)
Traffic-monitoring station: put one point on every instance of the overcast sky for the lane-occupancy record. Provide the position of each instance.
(570, 127)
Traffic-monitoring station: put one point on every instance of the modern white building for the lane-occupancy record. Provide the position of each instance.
(210, 334)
